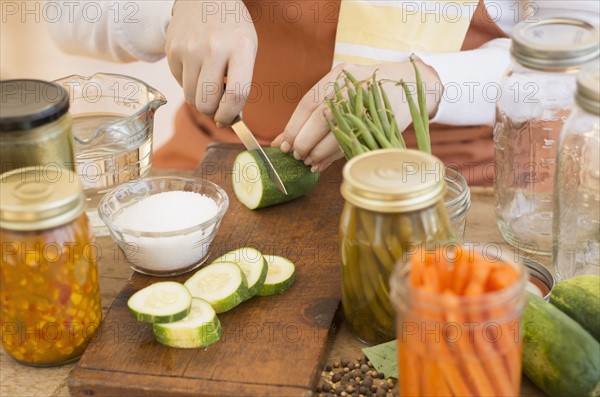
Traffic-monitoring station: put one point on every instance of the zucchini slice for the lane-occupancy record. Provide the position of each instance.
(280, 276)
(252, 263)
(222, 284)
(162, 302)
(200, 328)
(253, 187)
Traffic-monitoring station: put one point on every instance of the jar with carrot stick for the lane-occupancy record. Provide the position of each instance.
(458, 322)
(394, 199)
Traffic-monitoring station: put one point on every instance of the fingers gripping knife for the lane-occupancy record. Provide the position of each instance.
(250, 142)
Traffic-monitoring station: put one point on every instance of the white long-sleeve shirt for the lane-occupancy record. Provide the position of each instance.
(127, 31)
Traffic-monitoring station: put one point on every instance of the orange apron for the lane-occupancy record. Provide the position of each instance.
(295, 49)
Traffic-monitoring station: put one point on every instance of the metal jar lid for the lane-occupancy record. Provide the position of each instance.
(38, 198)
(541, 280)
(555, 43)
(393, 180)
(588, 89)
(26, 104)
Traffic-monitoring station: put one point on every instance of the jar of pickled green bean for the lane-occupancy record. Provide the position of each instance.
(394, 202)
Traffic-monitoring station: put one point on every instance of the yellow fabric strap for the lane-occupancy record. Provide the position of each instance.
(372, 32)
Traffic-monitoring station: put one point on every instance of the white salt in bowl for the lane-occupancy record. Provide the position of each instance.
(164, 234)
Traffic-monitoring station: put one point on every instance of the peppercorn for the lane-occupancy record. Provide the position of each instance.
(343, 394)
(350, 365)
(363, 390)
(350, 389)
(328, 368)
(345, 362)
(384, 386)
(381, 375)
(318, 389)
(346, 370)
(364, 368)
(326, 387)
(336, 364)
(368, 381)
(380, 393)
(336, 377)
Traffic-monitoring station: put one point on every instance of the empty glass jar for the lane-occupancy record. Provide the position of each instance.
(576, 248)
(537, 97)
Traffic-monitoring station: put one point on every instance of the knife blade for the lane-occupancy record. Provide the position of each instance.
(250, 142)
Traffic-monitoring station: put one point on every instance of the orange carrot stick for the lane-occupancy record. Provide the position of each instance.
(461, 272)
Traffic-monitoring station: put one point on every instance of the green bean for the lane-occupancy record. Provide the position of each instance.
(421, 97)
(363, 130)
(394, 130)
(377, 312)
(343, 141)
(339, 119)
(379, 135)
(373, 110)
(421, 134)
(350, 77)
(357, 148)
(359, 107)
(340, 98)
(381, 112)
(351, 94)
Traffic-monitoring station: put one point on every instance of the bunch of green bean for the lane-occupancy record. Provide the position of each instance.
(365, 120)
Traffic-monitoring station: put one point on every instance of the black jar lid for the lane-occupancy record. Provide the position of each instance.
(26, 104)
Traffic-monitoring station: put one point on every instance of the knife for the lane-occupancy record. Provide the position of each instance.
(243, 132)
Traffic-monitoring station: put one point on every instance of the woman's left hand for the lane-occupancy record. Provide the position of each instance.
(307, 135)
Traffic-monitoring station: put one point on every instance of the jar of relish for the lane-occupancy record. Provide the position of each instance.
(49, 293)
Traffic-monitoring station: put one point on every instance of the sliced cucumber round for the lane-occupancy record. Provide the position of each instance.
(200, 328)
(253, 186)
(162, 302)
(252, 263)
(280, 276)
(221, 284)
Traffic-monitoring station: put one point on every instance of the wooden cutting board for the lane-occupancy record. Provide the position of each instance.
(271, 346)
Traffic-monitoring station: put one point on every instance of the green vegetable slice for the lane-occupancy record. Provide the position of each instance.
(252, 263)
(162, 302)
(280, 276)
(200, 328)
(222, 284)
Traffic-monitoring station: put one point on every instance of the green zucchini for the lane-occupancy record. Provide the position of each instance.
(200, 328)
(253, 187)
(281, 274)
(222, 284)
(559, 355)
(252, 263)
(579, 298)
(162, 302)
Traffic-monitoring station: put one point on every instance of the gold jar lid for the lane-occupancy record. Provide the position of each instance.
(555, 43)
(38, 198)
(393, 180)
(588, 89)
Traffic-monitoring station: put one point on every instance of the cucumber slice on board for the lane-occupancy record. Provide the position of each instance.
(253, 187)
(280, 276)
(200, 328)
(221, 284)
(252, 263)
(162, 302)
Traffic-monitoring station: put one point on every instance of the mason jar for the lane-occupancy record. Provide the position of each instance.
(394, 200)
(576, 229)
(537, 96)
(49, 293)
(35, 126)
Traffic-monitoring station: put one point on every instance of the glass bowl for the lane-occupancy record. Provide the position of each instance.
(162, 253)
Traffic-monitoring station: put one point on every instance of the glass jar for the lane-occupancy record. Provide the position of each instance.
(394, 198)
(576, 248)
(35, 126)
(454, 343)
(537, 96)
(49, 293)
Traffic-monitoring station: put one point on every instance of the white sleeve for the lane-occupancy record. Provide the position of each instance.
(122, 31)
(471, 81)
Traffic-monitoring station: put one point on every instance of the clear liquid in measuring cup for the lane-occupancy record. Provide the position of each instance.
(109, 150)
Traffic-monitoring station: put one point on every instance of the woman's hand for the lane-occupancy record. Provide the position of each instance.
(205, 43)
(307, 134)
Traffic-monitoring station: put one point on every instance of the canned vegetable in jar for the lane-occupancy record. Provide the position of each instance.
(49, 293)
(35, 126)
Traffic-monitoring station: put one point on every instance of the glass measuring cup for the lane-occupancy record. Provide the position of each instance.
(113, 122)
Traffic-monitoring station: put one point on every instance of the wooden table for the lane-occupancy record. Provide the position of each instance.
(19, 380)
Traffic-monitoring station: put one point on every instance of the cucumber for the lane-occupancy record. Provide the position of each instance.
(579, 298)
(252, 263)
(253, 187)
(281, 274)
(222, 284)
(200, 328)
(163, 302)
(559, 356)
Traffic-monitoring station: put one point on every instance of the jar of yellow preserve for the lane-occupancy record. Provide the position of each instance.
(394, 203)
(49, 293)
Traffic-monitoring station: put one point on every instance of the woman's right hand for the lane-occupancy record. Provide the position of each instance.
(207, 41)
